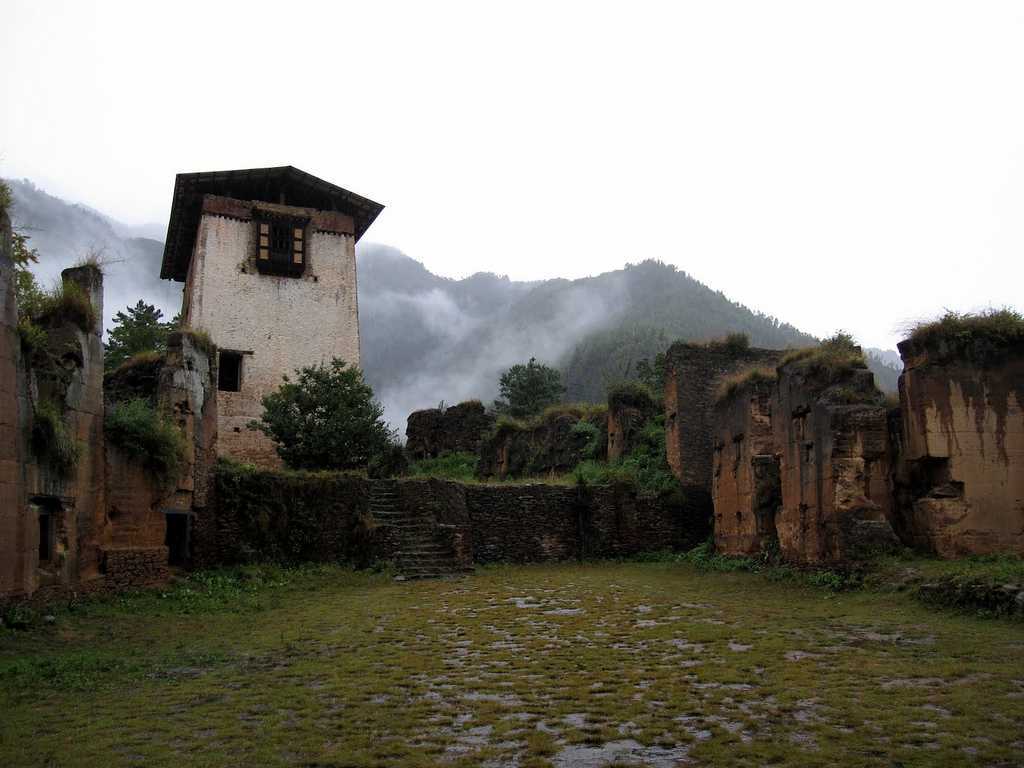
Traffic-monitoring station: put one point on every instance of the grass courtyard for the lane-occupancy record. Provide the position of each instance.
(606, 664)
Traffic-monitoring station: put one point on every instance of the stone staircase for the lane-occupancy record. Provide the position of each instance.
(421, 548)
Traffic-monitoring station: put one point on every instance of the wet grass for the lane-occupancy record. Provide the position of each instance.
(602, 664)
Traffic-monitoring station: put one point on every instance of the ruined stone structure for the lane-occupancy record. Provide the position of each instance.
(835, 467)
(434, 431)
(745, 486)
(16, 563)
(693, 373)
(628, 414)
(552, 444)
(267, 256)
(961, 479)
(78, 515)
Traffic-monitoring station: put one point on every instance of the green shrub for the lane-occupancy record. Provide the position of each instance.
(831, 361)
(68, 302)
(732, 385)
(592, 434)
(450, 466)
(984, 336)
(632, 394)
(148, 436)
(50, 439)
(33, 338)
(5, 196)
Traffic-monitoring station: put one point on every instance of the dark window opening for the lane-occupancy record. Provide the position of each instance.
(229, 372)
(281, 247)
(46, 535)
(176, 538)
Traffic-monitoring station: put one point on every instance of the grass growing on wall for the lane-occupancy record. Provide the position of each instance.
(734, 384)
(67, 302)
(147, 435)
(986, 335)
(451, 466)
(50, 439)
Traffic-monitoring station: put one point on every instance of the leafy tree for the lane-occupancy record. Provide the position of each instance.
(325, 419)
(140, 330)
(527, 389)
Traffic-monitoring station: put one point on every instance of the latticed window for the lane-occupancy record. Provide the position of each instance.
(282, 246)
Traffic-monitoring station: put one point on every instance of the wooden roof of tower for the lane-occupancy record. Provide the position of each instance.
(284, 184)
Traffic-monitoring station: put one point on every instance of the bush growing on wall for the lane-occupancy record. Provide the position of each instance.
(147, 435)
(51, 441)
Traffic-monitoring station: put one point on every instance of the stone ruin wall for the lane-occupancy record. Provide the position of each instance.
(107, 513)
(745, 478)
(961, 480)
(625, 423)
(461, 428)
(835, 470)
(16, 547)
(692, 378)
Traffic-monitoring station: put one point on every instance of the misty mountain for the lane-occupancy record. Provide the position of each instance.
(65, 233)
(427, 338)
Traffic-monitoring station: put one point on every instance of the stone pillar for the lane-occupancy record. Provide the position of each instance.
(745, 486)
(16, 556)
(835, 469)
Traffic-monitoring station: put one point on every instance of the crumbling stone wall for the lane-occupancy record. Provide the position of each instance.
(745, 485)
(286, 517)
(626, 420)
(16, 555)
(461, 428)
(550, 445)
(835, 469)
(693, 373)
(961, 480)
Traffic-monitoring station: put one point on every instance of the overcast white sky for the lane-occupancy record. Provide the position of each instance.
(840, 165)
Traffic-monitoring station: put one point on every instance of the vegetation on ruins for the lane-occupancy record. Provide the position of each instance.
(459, 466)
(830, 362)
(984, 337)
(148, 435)
(327, 418)
(526, 389)
(632, 394)
(5, 197)
(293, 516)
(51, 441)
(741, 381)
(138, 330)
(644, 467)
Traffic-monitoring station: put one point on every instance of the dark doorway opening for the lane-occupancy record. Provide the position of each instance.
(177, 538)
(46, 534)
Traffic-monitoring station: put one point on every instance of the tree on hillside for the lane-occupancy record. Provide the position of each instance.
(138, 330)
(326, 419)
(527, 389)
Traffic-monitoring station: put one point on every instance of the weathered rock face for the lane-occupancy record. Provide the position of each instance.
(961, 483)
(626, 420)
(745, 486)
(694, 372)
(461, 428)
(553, 445)
(16, 562)
(836, 462)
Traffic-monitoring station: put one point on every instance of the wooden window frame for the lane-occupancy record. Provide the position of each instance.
(281, 245)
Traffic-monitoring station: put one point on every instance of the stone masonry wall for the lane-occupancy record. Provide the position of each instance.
(279, 323)
(745, 486)
(693, 372)
(962, 477)
(16, 537)
(836, 465)
(460, 428)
